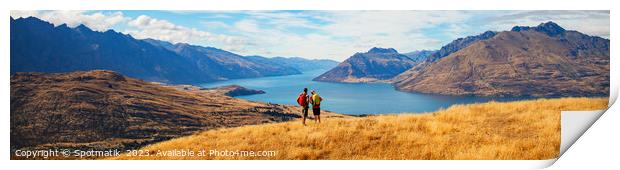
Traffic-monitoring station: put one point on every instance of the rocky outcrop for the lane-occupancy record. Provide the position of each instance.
(235, 90)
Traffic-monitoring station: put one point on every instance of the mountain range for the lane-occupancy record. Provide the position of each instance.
(39, 46)
(540, 61)
(420, 55)
(303, 64)
(545, 60)
(225, 64)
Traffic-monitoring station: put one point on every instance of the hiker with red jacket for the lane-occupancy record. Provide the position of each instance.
(302, 100)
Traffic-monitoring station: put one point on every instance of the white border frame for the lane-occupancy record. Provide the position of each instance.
(609, 126)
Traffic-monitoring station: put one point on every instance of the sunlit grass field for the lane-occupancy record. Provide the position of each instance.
(513, 130)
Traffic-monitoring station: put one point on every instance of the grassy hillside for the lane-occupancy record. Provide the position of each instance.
(513, 130)
(105, 110)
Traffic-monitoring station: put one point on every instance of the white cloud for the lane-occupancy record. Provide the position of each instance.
(249, 26)
(145, 26)
(284, 20)
(216, 25)
(340, 33)
(402, 30)
(97, 21)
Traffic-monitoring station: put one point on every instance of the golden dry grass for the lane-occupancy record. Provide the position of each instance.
(494, 130)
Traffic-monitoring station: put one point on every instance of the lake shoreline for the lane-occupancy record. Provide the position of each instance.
(349, 98)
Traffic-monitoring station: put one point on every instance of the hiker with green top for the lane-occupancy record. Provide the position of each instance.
(315, 100)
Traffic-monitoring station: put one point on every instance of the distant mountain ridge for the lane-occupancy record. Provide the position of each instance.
(376, 65)
(226, 64)
(39, 46)
(303, 64)
(288, 63)
(543, 61)
(421, 55)
(459, 44)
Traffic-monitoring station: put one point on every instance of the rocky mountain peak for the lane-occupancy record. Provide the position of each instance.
(550, 28)
(382, 50)
(82, 27)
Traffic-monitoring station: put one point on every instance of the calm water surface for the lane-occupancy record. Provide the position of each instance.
(348, 98)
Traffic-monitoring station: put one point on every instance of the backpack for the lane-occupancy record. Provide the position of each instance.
(316, 100)
(302, 100)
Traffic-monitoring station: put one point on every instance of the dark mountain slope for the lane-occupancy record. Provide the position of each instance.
(38, 46)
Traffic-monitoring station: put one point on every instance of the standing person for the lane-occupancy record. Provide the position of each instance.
(315, 99)
(302, 100)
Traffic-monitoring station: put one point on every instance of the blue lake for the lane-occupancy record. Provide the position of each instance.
(348, 98)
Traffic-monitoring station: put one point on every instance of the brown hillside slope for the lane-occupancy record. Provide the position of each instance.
(512, 130)
(528, 61)
(104, 110)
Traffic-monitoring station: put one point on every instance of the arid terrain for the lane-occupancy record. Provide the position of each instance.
(525, 130)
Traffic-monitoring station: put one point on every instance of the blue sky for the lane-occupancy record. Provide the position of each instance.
(318, 34)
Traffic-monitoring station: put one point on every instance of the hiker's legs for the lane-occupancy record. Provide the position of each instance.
(304, 112)
(317, 115)
(314, 114)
